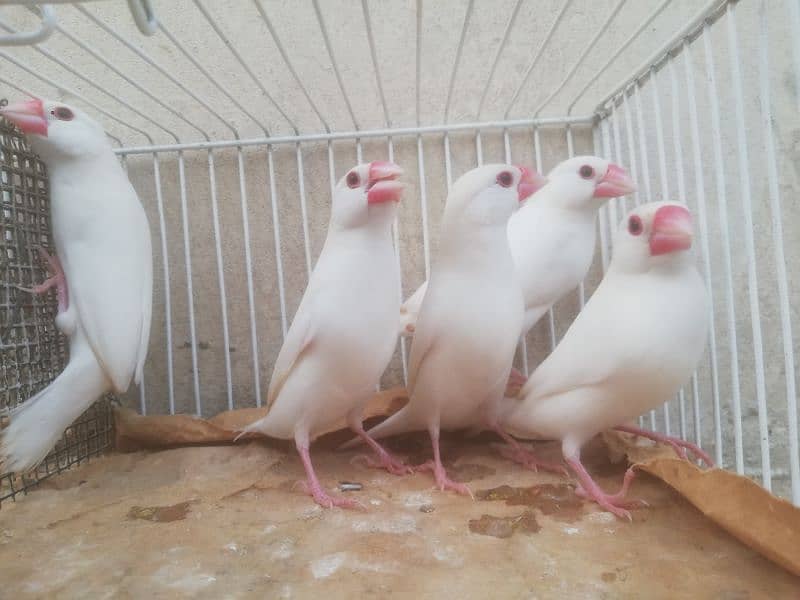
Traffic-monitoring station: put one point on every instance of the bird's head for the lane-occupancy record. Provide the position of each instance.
(368, 192)
(659, 233)
(586, 182)
(57, 130)
(488, 195)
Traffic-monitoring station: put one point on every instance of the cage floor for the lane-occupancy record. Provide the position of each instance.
(213, 522)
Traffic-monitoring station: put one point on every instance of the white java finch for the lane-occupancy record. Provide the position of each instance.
(470, 319)
(552, 236)
(638, 339)
(102, 239)
(345, 330)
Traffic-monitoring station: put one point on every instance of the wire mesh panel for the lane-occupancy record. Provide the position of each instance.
(32, 351)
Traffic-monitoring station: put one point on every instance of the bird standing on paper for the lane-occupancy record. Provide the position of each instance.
(345, 329)
(637, 340)
(103, 271)
(471, 316)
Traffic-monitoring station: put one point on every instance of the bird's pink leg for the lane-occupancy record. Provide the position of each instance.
(314, 488)
(56, 278)
(443, 482)
(519, 454)
(516, 377)
(680, 446)
(613, 503)
(385, 460)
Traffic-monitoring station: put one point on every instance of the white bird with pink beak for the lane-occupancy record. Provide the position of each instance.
(345, 329)
(103, 272)
(637, 340)
(471, 316)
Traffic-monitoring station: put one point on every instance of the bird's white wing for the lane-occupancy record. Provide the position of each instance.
(298, 341)
(147, 312)
(108, 288)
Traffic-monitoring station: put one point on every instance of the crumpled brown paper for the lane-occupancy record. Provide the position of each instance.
(747, 511)
(137, 432)
(740, 506)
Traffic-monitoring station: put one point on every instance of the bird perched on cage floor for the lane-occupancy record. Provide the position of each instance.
(552, 240)
(471, 316)
(103, 272)
(345, 329)
(637, 340)
(552, 236)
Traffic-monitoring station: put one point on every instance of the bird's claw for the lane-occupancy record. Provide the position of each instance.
(325, 500)
(387, 462)
(443, 482)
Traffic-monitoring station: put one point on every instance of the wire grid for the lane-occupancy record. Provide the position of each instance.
(32, 351)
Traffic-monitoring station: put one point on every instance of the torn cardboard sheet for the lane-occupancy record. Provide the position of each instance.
(743, 508)
(137, 432)
(767, 524)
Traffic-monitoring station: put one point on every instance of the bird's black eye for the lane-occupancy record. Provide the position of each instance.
(353, 179)
(505, 179)
(62, 113)
(586, 172)
(635, 226)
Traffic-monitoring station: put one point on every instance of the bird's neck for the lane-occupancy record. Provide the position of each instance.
(470, 246)
(84, 169)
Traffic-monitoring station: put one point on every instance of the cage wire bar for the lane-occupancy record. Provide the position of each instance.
(620, 130)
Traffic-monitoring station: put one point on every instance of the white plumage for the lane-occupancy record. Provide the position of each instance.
(103, 242)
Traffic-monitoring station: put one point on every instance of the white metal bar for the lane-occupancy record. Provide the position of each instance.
(598, 72)
(273, 197)
(700, 193)
(334, 64)
(74, 94)
(359, 152)
(187, 257)
(162, 224)
(447, 166)
(722, 202)
(570, 154)
(460, 48)
(396, 240)
(423, 199)
(614, 120)
(479, 148)
(551, 318)
(248, 263)
(226, 342)
(246, 67)
(285, 56)
(372, 133)
(215, 82)
(777, 237)
(25, 38)
(626, 109)
(509, 25)
(604, 228)
(301, 183)
(145, 57)
(681, 181)
(662, 168)
(331, 168)
(418, 58)
(588, 48)
(536, 56)
(373, 54)
(750, 248)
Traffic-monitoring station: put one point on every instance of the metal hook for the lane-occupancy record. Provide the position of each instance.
(33, 37)
(144, 16)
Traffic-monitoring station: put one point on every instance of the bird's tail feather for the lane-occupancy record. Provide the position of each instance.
(37, 424)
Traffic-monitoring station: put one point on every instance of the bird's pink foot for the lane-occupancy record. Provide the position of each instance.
(385, 461)
(56, 279)
(515, 382)
(678, 445)
(325, 500)
(443, 482)
(613, 503)
(528, 459)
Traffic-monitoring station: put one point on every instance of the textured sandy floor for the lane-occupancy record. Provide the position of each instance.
(225, 522)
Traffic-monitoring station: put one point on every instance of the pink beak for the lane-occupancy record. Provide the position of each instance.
(27, 115)
(672, 230)
(382, 185)
(616, 182)
(530, 183)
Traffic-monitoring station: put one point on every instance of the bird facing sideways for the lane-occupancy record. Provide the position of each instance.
(637, 340)
(345, 329)
(471, 316)
(103, 271)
